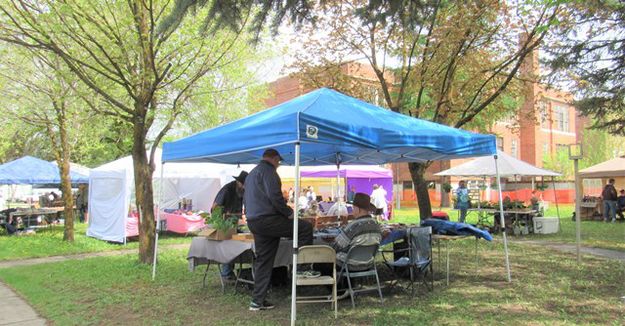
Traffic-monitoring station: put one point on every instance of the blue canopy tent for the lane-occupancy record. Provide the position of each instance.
(327, 127)
(31, 170)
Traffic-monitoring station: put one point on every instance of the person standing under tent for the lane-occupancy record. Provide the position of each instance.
(302, 202)
(378, 200)
(350, 194)
(462, 200)
(310, 194)
(609, 196)
(81, 202)
(269, 219)
(620, 204)
(230, 199)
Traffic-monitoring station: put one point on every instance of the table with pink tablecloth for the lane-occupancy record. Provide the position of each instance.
(177, 223)
(183, 223)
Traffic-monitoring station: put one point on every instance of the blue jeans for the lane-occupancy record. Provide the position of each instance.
(609, 210)
(463, 207)
(226, 269)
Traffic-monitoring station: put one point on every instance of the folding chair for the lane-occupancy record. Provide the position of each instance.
(419, 258)
(318, 254)
(360, 254)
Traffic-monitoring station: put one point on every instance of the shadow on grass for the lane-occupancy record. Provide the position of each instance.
(548, 288)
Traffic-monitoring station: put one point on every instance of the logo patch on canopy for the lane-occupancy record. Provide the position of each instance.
(312, 131)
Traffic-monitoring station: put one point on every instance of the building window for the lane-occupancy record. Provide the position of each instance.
(500, 143)
(543, 110)
(561, 118)
(407, 185)
(545, 148)
(514, 150)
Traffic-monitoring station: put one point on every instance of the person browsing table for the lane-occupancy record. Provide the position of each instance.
(462, 200)
(230, 199)
(269, 219)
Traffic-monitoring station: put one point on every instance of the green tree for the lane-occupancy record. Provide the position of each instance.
(455, 58)
(449, 62)
(586, 53)
(41, 95)
(146, 77)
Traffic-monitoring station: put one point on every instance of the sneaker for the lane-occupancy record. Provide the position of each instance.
(265, 306)
(613, 220)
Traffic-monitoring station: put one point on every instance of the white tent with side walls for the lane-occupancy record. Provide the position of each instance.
(111, 191)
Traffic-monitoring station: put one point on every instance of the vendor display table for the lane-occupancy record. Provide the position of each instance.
(182, 223)
(28, 215)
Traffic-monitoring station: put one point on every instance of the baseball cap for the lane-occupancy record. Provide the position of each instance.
(270, 152)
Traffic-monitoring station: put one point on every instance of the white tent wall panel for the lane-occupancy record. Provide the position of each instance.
(109, 201)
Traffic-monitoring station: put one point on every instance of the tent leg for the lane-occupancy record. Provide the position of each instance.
(502, 220)
(295, 237)
(555, 197)
(338, 188)
(158, 222)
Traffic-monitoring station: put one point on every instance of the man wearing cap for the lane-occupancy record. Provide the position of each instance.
(362, 231)
(230, 199)
(269, 218)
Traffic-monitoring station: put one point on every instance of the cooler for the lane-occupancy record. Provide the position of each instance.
(545, 225)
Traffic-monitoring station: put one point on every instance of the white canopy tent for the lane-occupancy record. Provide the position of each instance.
(111, 189)
(509, 166)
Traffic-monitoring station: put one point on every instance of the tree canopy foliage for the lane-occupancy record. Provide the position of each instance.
(587, 52)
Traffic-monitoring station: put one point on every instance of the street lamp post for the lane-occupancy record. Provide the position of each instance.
(575, 154)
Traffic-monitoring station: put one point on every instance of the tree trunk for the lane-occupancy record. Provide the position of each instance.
(417, 172)
(66, 182)
(144, 195)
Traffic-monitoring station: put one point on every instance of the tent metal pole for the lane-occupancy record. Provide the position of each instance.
(295, 237)
(502, 220)
(158, 221)
(338, 186)
(555, 197)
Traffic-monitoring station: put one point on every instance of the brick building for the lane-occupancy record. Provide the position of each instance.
(544, 123)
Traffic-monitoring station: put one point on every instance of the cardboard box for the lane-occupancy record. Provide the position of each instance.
(243, 237)
(215, 234)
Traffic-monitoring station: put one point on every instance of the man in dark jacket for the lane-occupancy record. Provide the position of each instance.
(269, 219)
(609, 196)
(230, 199)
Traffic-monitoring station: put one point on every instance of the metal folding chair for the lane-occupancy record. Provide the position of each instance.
(360, 254)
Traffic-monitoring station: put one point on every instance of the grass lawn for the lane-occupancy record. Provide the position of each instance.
(548, 288)
(594, 233)
(49, 242)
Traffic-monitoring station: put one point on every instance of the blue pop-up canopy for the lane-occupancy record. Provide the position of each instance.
(329, 124)
(327, 127)
(31, 170)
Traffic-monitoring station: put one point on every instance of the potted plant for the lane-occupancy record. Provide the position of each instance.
(221, 227)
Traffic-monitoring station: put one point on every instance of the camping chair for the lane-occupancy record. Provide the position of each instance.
(318, 254)
(418, 260)
(360, 254)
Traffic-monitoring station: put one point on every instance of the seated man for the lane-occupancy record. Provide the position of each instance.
(620, 204)
(364, 230)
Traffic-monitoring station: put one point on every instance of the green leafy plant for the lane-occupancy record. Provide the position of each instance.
(446, 187)
(218, 221)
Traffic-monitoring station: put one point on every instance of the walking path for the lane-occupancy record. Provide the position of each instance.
(572, 248)
(15, 311)
(44, 260)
